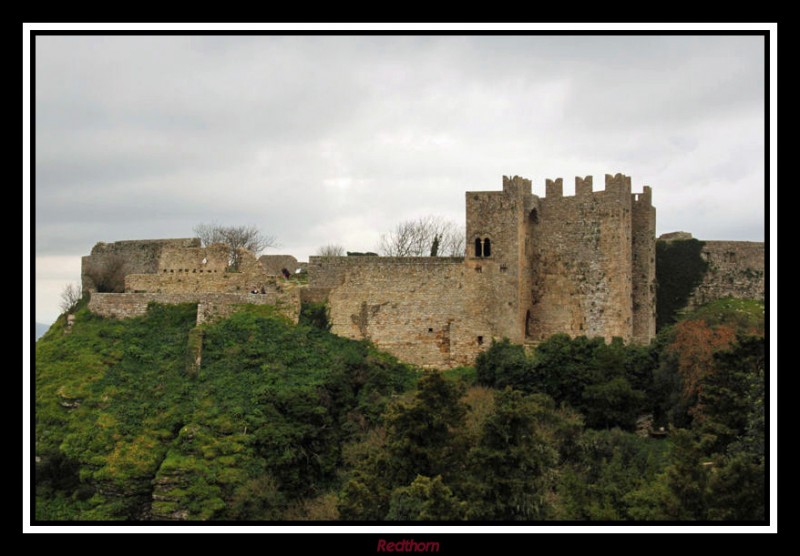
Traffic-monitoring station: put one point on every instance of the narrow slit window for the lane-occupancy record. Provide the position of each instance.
(487, 247)
(478, 249)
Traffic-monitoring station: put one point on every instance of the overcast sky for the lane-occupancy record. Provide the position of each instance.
(337, 138)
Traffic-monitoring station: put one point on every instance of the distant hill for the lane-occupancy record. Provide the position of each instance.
(41, 329)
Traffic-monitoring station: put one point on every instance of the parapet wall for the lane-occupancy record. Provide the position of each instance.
(735, 269)
(211, 306)
(617, 184)
(328, 272)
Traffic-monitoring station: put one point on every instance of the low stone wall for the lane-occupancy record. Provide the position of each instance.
(211, 306)
(198, 282)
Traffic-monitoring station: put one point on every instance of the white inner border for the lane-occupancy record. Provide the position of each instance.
(361, 28)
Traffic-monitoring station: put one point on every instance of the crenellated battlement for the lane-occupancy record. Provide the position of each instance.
(583, 186)
(516, 185)
(554, 188)
(645, 198)
(618, 184)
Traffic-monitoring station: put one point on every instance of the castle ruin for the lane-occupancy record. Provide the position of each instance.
(583, 265)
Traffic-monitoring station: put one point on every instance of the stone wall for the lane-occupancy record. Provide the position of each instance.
(196, 270)
(735, 269)
(213, 258)
(273, 264)
(141, 256)
(412, 307)
(210, 305)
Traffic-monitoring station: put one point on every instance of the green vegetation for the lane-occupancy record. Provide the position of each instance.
(679, 269)
(123, 431)
(254, 418)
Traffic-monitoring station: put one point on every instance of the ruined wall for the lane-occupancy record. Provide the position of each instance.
(273, 264)
(411, 307)
(213, 258)
(201, 269)
(141, 256)
(735, 269)
(581, 276)
(211, 306)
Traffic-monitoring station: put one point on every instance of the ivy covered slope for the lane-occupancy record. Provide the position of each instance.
(129, 426)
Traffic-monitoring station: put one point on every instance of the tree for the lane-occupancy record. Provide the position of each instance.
(235, 238)
(504, 364)
(509, 469)
(330, 250)
(70, 296)
(435, 246)
(107, 273)
(420, 432)
(429, 235)
(425, 499)
(612, 403)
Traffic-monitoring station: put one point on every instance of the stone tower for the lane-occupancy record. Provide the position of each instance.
(496, 263)
(580, 265)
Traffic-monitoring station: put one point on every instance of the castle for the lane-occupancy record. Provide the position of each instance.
(534, 266)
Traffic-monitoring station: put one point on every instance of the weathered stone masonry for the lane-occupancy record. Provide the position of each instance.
(210, 306)
(180, 271)
(412, 307)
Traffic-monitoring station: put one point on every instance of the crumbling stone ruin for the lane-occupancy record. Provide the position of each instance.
(181, 271)
(534, 266)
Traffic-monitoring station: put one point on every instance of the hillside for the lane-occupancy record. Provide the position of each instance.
(128, 427)
(254, 418)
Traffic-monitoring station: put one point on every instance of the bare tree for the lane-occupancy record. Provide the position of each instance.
(429, 235)
(235, 238)
(70, 296)
(331, 250)
(108, 273)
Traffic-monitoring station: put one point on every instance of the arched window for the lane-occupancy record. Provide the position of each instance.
(478, 249)
(487, 247)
